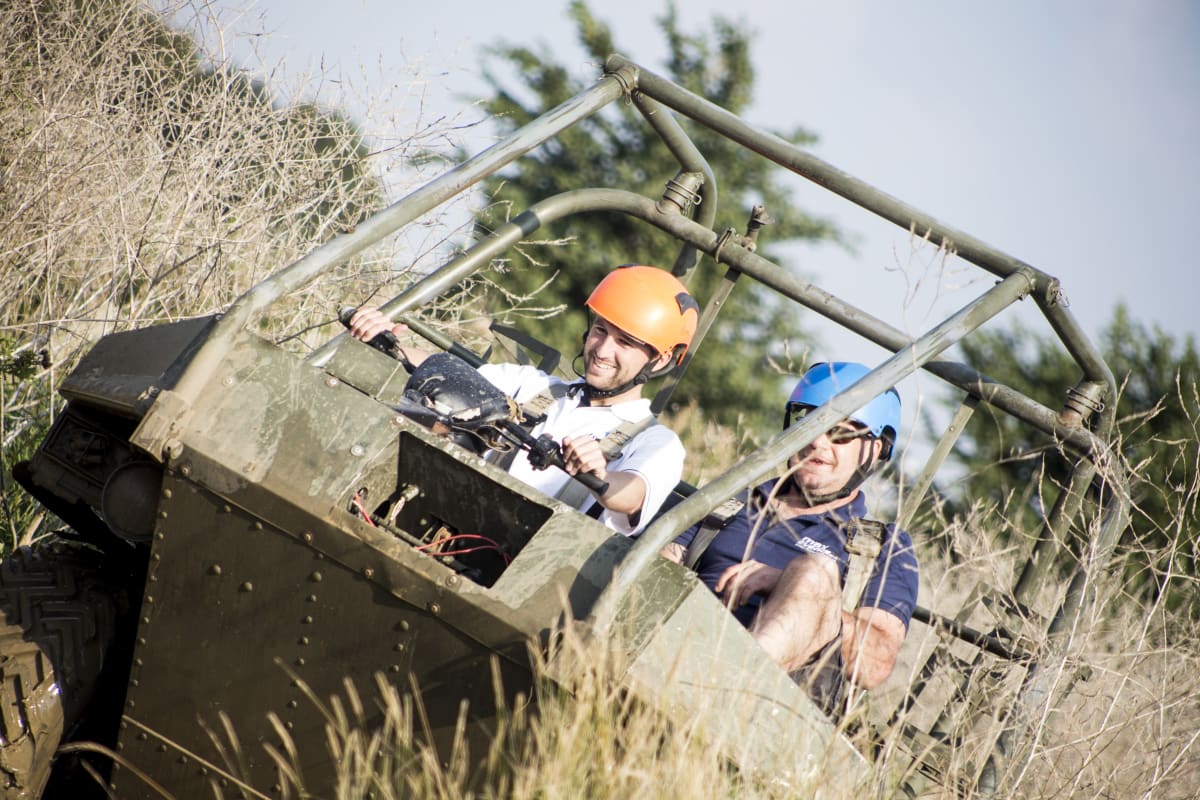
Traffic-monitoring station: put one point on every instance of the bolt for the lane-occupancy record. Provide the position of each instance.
(307, 537)
(227, 380)
(368, 573)
(357, 450)
(185, 470)
(331, 381)
(435, 609)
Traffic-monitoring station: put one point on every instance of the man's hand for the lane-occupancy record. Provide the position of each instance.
(626, 490)
(583, 454)
(742, 581)
(368, 322)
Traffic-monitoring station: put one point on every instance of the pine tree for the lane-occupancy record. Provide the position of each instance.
(1158, 420)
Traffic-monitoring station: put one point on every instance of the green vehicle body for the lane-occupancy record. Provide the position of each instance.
(230, 481)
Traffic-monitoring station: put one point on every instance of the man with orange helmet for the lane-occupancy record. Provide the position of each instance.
(642, 324)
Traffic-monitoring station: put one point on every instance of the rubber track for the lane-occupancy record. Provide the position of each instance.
(59, 619)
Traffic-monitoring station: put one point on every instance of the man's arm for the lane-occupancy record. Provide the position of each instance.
(871, 641)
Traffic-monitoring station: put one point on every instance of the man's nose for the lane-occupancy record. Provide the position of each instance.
(605, 346)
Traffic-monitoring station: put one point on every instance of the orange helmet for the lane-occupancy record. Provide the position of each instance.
(649, 304)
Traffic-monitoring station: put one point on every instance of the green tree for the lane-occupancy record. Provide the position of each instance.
(732, 379)
(1158, 414)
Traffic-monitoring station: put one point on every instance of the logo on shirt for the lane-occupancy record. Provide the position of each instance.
(809, 545)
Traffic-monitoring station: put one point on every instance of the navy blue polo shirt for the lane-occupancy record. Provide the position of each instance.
(892, 586)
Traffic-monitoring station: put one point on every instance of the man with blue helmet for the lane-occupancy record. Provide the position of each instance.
(792, 560)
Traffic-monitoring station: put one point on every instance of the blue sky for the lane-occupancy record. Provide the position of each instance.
(1063, 133)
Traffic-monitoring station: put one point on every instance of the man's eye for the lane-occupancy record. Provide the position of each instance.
(844, 435)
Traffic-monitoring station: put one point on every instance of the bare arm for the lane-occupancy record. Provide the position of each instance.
(673, 552)
(871, 640)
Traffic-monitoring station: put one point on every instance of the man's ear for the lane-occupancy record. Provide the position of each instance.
(664, 359)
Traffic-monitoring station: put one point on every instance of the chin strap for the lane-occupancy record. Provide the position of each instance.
(590, 391)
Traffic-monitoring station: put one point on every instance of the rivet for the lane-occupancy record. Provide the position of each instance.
(154, 579)
(247, 587)
(292, 703)
(397, 420)
(404, 625)
(399, 647)
(307, 536)
(303, 640)
(159, 535)
(312, 598)
(182, 759)
(435, 609)
(145, 620)
(167, 493)
(227, 380)
(203, 771)
(157, 556)
(275, 789)
(368, 572)
(120, 745)
(226, 508)
(185, 470)
(331, 381)
(124, 725)
(215, 569)
(452, 580)
(134, 682)
(138, 662)
(394, 668)
(142, 737)
(149, 598)
(289, 725)
(299, 662)
(316, 577)
(162, 515)
(258, 526)
(141, 641)
(357, 450)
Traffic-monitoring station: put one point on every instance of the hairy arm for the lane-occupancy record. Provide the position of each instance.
(871, 640)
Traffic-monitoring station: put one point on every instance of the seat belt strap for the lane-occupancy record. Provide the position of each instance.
(864, 541)
(717, 519)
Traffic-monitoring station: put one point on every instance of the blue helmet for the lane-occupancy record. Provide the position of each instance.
(823, 381)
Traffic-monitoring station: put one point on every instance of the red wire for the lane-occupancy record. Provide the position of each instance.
(358, 504)
(492, 544)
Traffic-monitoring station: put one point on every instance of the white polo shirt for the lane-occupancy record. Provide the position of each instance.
(655, 455)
